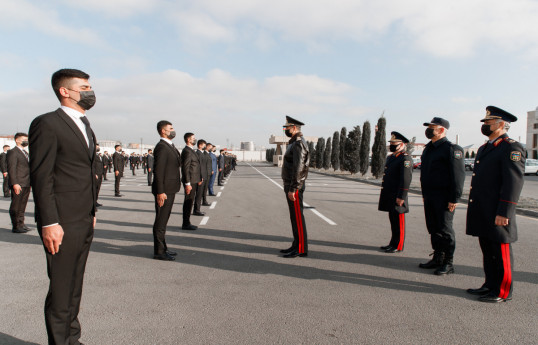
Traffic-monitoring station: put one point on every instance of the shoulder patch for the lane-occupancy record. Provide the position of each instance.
(407, 164)
(458, 154)
(515, 156)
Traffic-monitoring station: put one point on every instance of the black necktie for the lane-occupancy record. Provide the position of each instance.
(91, 145)
(26, 154)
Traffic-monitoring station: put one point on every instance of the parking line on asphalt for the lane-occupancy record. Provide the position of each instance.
(221, 188)
(218, 194)
(213, 204)
(204, 221)
(316, 212)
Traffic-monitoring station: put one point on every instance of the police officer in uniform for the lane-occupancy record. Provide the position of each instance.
(394, 189)
(491, 215)
(294, 174)
(442, 174)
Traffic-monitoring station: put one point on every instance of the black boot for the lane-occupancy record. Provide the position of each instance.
(435, 262)
(446, 268)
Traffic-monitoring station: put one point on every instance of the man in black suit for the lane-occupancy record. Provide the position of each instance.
(106, 164)
(200, 192)
(62, 151)
(191, 176)
(3, 168)
(19, 181)
(98, 169)
(117, 160)
(165, 186)
(133, 161)
(150, 162)
(221, 164)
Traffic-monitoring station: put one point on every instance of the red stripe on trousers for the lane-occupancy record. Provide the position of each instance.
(299, 221)
(507, 275)
(402, 231)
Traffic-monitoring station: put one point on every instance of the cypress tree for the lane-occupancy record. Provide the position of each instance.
(335, 154)
(312, 150)
(320, 149)
(467, 154)
(365, 148)
(472, 154)
(342, 148)
(352, 158)
(327, 155)
(379, 149)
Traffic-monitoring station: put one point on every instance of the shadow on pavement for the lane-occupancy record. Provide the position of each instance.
(9, 340)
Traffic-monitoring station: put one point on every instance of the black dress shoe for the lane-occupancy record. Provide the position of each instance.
(294, 254)
(206, 204)
(393, 250)
(385, 247)
(491, 298)
(19, 230)
(118, 195)
(98, 204)
(479, 292)
(171, 253)
(189, 227)
(212, 194)
(289, 250)
(221, 185)
(446, 268)
(164, 257)
(198, 213)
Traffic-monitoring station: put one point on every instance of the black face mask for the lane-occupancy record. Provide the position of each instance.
(97, 150)
(288, 132)
(393, 148)
(24, 143)
(486, 130)
(429, 133)
(172, 135)
(87, 99)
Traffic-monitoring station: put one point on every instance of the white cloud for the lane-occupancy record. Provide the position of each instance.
(442, 28)
(116, 8)
(20, 14)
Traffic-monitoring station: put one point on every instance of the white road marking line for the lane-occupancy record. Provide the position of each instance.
(221, 188)
(316, 212)
(213, 204)
(218, 194)
(204, 221)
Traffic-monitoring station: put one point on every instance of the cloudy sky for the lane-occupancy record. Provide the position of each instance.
(231, 70)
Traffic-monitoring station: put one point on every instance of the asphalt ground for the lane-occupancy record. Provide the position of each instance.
(229, 284)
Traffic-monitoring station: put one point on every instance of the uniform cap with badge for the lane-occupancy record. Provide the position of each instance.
(494, 113)
(438, 121)
(397, 137)
(290, 121)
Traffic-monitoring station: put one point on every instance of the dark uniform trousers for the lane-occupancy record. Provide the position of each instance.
(498, 266)
(204, 191)
(220, 179)
(150, 177)
(98, 185)
(188, 203)
(6, 186)
(66, 271)
(439, 224)
(162, 214)
(199, 196)
(298, 226)
(117, 183)
(397, 226)
(18, 206)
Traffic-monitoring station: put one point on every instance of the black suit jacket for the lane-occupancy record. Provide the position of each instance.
(190, 166)
(106, 161)
(396, 181)
(3, 162)
(98, 165)
(118, 161)
(151, 162)
(166, 169)
(18, 168)
(203, 166)
(61, 170)
(208, 164)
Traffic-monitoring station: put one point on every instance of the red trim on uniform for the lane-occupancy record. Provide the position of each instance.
(507, 274)
(299, 220)
(404, 189)
(515, 203)
(402, 231)
(497, 142)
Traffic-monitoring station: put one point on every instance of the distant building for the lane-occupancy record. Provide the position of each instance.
(532, 134)
(108, 143)
(247, 145)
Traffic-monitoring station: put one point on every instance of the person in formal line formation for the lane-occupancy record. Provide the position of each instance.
(191, 177)
(106, 163)
(442, 174)
(166, 183)
(150, 161)
(221, 166)
(205, 167)
(491, 215)
(214, 169)
(98, 167)
(119, 166)
(394, 188)
(3, 168)
(62, 155)
(294, 174)
(18, 170)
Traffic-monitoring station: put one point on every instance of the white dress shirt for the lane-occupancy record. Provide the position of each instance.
(75, 116)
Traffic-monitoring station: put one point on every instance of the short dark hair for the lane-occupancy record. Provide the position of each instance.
(20, 134)
(150, 150)
(187, 136)
(161, 125)
(210, 144)
(200, 142)
(116, 146)
(60, 79)
(5, 146)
